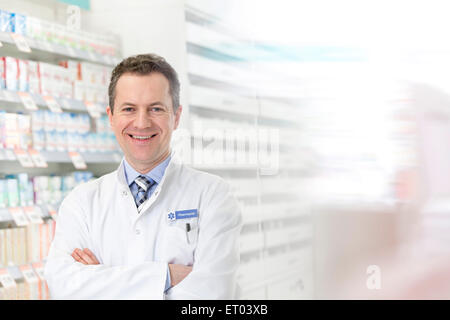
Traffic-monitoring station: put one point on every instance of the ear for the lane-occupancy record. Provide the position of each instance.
(177, 117)
(109, 112)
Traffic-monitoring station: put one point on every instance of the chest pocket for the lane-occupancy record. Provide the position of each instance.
(190, 228)
(181, 241)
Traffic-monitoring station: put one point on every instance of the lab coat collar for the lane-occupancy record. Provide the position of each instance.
(174, 162)
(155, 174)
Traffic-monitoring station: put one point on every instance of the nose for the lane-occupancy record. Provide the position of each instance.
(142, 119)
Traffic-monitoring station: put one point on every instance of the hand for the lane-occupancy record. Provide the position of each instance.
(178, 272)
(84, 256)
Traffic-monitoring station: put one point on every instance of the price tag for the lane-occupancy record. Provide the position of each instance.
(21, 42)
(24, 158)
(52, 104)
(18, 216)
(92, 109)
(77, 160)
(33, 214)
(6, 279)
(27, 101)
(38, 159)
(29, 275)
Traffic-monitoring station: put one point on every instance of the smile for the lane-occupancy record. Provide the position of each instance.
(142, 138)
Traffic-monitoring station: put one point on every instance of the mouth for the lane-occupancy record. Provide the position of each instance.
(142, 138)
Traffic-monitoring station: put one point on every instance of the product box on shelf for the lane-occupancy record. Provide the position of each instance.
(34, 28)
(24, 130)
(37, 120)
(2, 129)
(11, 72)
(11, 138)
(33, 77)
(2, 74)
(3, 261)
(13, 192)
(55, 80)
(21, 190)
(19, 23)
(43, 288)
(38, 137)
(31, 283)
(23, 75)
(3, 193)
(6, 21)
(23, 186)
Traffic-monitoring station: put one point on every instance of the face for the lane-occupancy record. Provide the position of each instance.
(143, 119)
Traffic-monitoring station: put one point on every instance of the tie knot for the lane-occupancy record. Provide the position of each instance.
(143, 182)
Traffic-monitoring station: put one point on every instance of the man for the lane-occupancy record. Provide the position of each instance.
(154, 228)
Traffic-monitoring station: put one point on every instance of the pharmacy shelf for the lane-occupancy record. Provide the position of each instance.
(273, 212)
(15, 272)
(231, 167)
(255, 241)
(50, 52)
(65, 103)
(289, 275)
(216, 42)
(44, 210)
(63, 157)
(219, 100)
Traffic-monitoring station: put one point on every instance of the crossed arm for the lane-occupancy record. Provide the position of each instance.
(177, 271)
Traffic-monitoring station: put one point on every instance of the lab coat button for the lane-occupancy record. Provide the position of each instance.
(138, 231)
(124, 193)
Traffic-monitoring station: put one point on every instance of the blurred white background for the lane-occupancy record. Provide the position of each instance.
(349, 195)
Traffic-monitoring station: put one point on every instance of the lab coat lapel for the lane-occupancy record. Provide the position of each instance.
(171, 168)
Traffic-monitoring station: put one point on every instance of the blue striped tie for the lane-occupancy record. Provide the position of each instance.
(143, 185)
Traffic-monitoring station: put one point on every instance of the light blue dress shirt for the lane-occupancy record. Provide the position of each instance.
(156, 174)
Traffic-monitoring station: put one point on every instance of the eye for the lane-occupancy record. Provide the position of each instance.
(128, 109)
(157, 109)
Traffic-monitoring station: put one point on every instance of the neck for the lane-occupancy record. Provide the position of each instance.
(147, 167)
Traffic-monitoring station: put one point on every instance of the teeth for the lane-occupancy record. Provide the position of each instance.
(141, 137)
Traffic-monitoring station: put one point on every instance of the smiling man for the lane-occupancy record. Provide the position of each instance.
(154, 228)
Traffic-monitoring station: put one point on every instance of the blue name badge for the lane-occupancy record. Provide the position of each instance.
(186, 214)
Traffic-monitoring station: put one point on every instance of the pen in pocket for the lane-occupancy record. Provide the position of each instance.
(188, 228)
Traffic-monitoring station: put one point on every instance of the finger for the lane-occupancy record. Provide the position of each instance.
(91, 255)
(85, 257)
(82, 256)
(77, 257)
(74, 256)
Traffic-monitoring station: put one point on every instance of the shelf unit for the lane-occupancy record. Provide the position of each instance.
(59, 162)
(227, 93)
(51, 52)
(12, 101)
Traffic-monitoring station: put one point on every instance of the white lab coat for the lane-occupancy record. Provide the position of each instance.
(134, 248)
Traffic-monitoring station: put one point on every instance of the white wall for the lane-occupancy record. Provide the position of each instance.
(145, 26)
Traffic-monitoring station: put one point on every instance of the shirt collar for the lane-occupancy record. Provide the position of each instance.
(155, 174)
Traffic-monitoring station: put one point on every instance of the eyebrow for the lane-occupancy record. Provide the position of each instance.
(156, 103)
